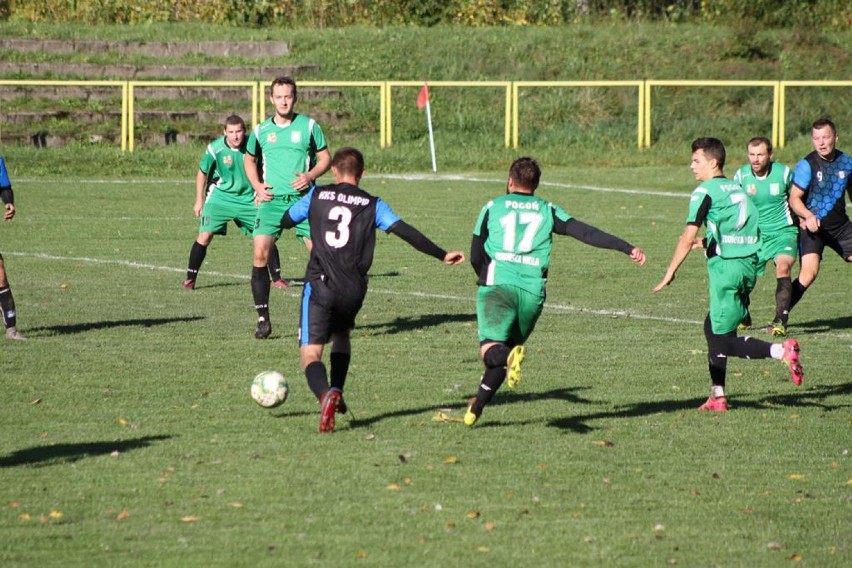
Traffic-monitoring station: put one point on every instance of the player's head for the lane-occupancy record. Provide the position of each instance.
(524, 175)
(235, 130)
(347, 163)
(824, 137)
(283, 95)
(759, 151)
(708, 158)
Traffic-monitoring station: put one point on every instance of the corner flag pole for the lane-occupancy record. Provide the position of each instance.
(423, 102)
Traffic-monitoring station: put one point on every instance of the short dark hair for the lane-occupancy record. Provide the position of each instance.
(283, 80)
(526, 173)
(760, 140)
(234, 120)
(349, 161)
(822, 123)
(713, 148)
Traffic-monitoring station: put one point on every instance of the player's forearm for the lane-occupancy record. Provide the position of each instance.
(682, 249)
(797, 204)
(323, 165)
(6, 195)
(417, 239)
(250, 164)
(593, 236)
(200, 182)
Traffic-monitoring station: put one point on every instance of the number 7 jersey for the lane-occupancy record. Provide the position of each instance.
(730, 215)
(518, 233)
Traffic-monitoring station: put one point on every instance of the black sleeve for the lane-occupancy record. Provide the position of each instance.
(590, 235)
(287, 222)
(6, 195)
(478, 257)
(416, 239)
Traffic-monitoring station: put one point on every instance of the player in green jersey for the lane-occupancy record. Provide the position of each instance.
(732, 242)
(293, 153)
(510, 253)
(7, 302)
(224, 194)
(767, 185)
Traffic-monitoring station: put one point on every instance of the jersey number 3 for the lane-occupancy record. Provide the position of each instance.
(340, 236)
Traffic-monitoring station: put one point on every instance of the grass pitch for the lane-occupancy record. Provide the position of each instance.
(129, 437)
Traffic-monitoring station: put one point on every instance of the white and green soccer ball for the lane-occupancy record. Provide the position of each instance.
(269, 389)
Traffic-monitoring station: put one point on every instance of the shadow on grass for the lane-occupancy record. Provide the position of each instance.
(403, 324)
(95, 325)
(42, 456)
(819, 325)
(510, 397)
(812, 397)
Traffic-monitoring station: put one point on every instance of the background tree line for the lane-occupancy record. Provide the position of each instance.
(822, 14)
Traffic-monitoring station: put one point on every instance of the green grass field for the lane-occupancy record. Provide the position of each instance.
(129, 437)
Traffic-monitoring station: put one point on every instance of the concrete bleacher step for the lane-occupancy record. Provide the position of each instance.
(123, 72)
(149, 48)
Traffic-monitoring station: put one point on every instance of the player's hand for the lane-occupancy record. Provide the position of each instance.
(197, 208)
(637, 255)
(454, 257)
(699, 243)
(667, 279)
(303, 181)
(262, 194)
(810, 223)
(9, 212)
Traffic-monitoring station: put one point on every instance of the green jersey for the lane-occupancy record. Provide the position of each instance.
(285, 151)
(518, 233)
(730, 216)
(225, 165)
(770, 194)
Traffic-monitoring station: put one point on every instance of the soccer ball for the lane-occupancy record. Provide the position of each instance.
(269, 389)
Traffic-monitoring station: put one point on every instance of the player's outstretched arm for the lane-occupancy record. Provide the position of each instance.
(684, 245)
(422, 243)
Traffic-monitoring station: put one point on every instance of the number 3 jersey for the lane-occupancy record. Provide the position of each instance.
(518, 233)
(730, 215)
(343, 220)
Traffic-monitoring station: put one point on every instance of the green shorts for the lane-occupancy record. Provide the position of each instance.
(269, 214)
(217, 213)
(777, 243)
(506, 314)
(731, 282)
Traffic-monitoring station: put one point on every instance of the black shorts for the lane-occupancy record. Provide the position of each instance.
(839, 240)
(325, 312)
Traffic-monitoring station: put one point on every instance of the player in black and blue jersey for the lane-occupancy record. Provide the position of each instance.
(819, 183)
(7, 302)
(343, 220)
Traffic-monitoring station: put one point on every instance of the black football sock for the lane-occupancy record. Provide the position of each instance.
(496, 356)
(339, 369)
(317, 378)
(260, 291)
(717, 359)
(798, 291)
(7, 304)
(783, 298)
(491, 381)
(196, 257)
(273, 263)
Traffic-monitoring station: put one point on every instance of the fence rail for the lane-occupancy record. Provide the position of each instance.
(512, 114)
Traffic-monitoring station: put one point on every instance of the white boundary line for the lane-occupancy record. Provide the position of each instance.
(374, 290)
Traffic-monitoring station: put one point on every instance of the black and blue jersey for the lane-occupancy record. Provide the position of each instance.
(343, 220)
(824, 183)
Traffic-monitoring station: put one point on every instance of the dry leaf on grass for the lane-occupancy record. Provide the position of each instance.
(451, 459)
(124, 515)
(472, 515)
(190, 518)
(394, 487)
(490, 526)
(796, 476)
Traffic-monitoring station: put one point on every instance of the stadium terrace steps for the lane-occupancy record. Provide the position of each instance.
(91, 71)
(149, 48)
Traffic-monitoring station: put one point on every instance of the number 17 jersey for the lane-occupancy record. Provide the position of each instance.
(518, 233)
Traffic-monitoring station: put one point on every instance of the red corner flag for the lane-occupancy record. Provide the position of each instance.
(423, 97)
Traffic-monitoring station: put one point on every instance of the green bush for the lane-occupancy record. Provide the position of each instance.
(826, 14)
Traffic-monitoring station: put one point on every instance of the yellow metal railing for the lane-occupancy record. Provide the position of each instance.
(665, 83)
(133, 85)
(512, 112)
(118, 84)
(638, 85)
(507, 85)
(782, 115)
